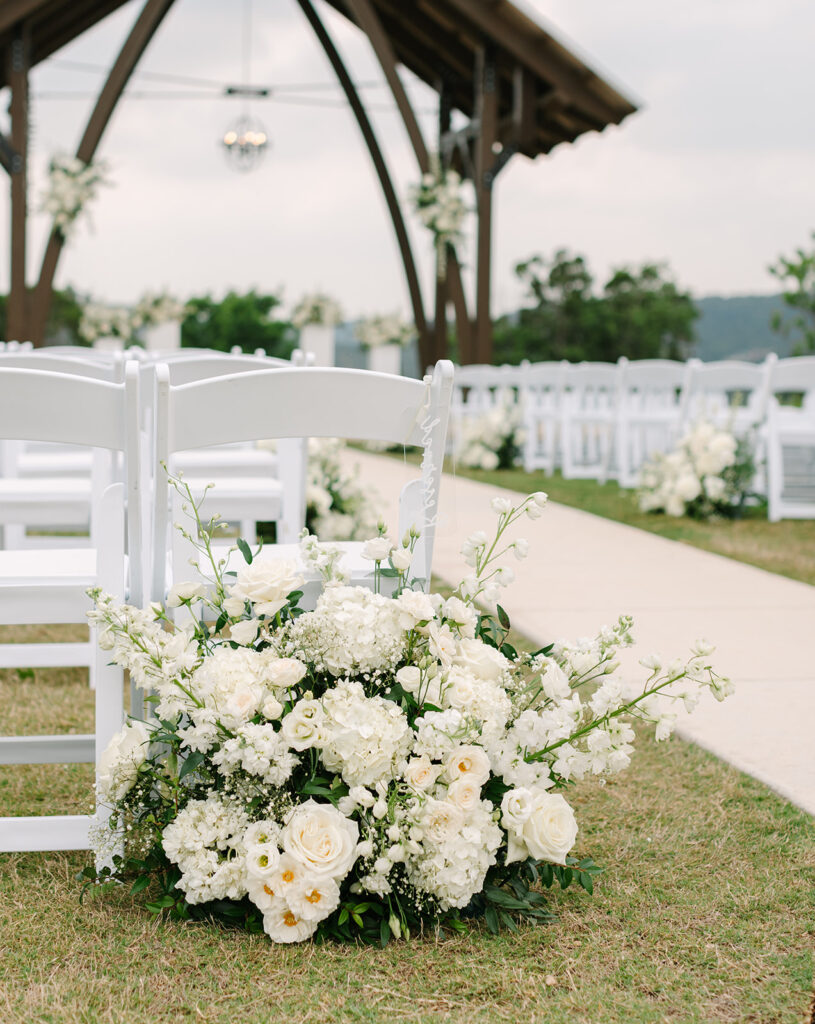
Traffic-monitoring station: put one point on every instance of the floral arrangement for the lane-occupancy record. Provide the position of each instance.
(316, 308)
(440, 206)
(369, 767)
(103, 321)
(72, 184)
(338, 507)
(384, 330)
(708, 474)
(493, 439)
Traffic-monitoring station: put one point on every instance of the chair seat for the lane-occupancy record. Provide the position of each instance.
(239, 497)
(45, 501)
(46, 585)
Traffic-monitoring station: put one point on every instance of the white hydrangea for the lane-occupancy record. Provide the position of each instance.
(206, 842)
(258, 750)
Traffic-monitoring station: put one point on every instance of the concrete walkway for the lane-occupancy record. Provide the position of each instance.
(584, 571)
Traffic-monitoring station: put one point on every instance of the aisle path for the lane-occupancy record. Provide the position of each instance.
(584, 571)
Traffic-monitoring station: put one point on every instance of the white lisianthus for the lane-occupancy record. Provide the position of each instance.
(409, 678)
(283, 673)
(244, 632)
(414, 607)
(401, 559)
(462, 615)
(267, 583)
(321, 839)
(119, 762)
(441, 820)
(303, 726)
(376, 549)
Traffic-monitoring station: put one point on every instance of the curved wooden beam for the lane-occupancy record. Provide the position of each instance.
(381, 169)
(130, 54)
(367, 19)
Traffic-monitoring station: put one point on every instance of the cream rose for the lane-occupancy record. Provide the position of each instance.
(465, 793)
(551, 828)
(120, 761)
(322, 839)
(441, 820)
(516, 808)
(420, 773)
(284, 672)
(303, 725)
(480, 659)
(409, 678)
(267, 583)
(467, 761)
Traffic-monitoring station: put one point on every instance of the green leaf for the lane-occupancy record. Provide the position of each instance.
(586, 881)
(190, 764)
(491, 917)
(503, 618)
(343, 916)
(388, 572)
(245, 550)
(140, 884)
(384, 932)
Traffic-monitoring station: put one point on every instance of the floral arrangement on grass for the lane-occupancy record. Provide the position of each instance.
(376, 331)
(708, 475)
(440, 206)
(100, 320)
(493, 439)
(72, 184)
(316, 308)
(369, 767)
(338, 506)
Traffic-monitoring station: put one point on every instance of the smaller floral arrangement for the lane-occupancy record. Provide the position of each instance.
(493, 439)
(72, 184)
(376, 331)
(338, 507)
(100, 320)
(440, 206)
(316, 308)
(709, 474)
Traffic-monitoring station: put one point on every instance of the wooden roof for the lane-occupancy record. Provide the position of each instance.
(438, 41)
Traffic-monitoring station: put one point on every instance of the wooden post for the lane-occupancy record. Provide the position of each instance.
(486, 111)
(18, 57)
(442, 270)
(130, 54)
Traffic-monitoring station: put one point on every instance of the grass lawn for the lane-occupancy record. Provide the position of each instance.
(706, 913)
(787, 547)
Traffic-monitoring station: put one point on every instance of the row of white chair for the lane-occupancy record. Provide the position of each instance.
(604, 420)
(135, 553)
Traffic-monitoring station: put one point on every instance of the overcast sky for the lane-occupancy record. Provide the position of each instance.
(715, 174)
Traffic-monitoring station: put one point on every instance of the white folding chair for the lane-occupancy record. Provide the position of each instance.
(730, 394)
(39, 587)
(790, 440)
(587, 412)
(541, 414)
(295, 404)
(649, 413)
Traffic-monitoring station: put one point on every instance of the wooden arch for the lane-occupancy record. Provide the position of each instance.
(521, 91)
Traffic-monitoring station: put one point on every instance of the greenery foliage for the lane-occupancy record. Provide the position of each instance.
(639, 313)
(246, 320)
(797, 275)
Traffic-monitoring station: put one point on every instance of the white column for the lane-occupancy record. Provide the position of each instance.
(385, 359)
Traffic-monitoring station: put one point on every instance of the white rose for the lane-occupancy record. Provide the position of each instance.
(414, 606)
(234, 606)
(409, 678)
(420, 773)
(120, 761)
(401, 559)
(303, 725)
(181, 592)
(467, 760)
(244, 632)
(243, 702)
(267, 583)
(377, 549)
(321, 839)
(465, 793)
(551, 828)
(516, 808)
(284, 672)
(480, 659)
(272, 708)
(462, 615)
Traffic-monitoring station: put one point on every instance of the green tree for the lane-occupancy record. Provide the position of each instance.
(639, 313)
(797, 276)
(245, 320)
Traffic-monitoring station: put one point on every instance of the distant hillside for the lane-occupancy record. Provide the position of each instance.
(738, 328)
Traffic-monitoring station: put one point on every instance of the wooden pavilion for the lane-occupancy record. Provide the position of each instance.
(520, 90)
